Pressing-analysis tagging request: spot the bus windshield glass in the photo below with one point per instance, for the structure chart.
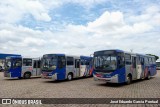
(158, 64)
(105, 62)
(49, 63)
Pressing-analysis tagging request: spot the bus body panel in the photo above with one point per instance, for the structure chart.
(15, 72)
(27, 69)
(70, 69)
(83, 70)
(122, 75)
(61, 75)
(153, 70)
(139, 71)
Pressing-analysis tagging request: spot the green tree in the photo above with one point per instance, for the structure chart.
(156, 57)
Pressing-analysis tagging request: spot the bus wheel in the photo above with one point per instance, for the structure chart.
(129, 80)
(69, 77)
(148, 76)
(27, 75)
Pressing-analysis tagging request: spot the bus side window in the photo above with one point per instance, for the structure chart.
(153, 59)
(127, 59)
(34, 64)
(27, 62)
(17, 63)
(87, 62)
(69, 60)
(61, 62)
(39, 64)
(82, 62)
(77, 63)
(120, 61)
(134, 62)
(142, 61)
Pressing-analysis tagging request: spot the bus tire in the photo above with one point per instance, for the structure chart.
(70, 76)
(148, 76)
(27, 75)
(129, 79)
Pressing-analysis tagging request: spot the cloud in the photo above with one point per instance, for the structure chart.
(111, 30)
(150, 16)
(14, 11)
(112, 23)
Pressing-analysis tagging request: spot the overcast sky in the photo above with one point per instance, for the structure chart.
(79, 27)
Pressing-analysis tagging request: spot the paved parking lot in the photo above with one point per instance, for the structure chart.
(78, 88)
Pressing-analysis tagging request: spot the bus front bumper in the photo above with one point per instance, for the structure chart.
(113, 79)
(7, 74)
(53, 77)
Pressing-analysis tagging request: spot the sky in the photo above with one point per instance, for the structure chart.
(79, 27)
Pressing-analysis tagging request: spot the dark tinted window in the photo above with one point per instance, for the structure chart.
(69, 60)
(27, 62)
(120, 59)
(36, 64)
(61, 62)
(128, 59)
(39, 63)
(77, 63)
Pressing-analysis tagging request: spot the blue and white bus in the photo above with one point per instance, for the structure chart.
(118, 66)
(61, 66)
(22, 67)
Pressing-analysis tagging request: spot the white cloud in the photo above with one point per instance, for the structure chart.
(150, 16)
(13, 11)
(108, 31)
(113, 24)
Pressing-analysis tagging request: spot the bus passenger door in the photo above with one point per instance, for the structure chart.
(82, 68)
(17, 68)
(139, 68)
(38, 67)
(133, 68)
(77, 67)
(34, 72)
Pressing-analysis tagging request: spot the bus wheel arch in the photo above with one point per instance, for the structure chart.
(70, 76)
(129, 79)
(27, 75)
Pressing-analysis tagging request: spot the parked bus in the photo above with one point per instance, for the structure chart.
(2, 59)
(22, 67)
(118, 66)
(61, 66)
(158, 65)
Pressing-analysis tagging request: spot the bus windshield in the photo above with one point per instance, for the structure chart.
(105, 62)
(8, 64)
(49, 63)
(158, 64)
